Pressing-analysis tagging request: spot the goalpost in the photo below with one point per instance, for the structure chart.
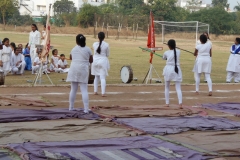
(187, 26)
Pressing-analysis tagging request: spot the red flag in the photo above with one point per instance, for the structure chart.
(151, 36)
(46, 46)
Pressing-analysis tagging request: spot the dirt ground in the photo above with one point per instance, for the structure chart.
(127, 95)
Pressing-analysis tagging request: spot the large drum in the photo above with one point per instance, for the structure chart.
(126, 74)
(90, 78)
(2, 78)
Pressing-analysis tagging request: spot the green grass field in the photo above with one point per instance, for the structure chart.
(126, 52)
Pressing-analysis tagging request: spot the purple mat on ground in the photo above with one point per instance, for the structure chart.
(131, 148)
(24, 115)
(164, 126)
(225, 107)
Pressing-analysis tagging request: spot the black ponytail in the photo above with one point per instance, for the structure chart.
(101, 37)
(172, 45)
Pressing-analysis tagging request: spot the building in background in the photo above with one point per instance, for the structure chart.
(39, 8)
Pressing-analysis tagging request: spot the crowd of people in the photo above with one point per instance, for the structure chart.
(16, 59)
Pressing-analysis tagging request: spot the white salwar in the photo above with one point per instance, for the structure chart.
(54, 64)
(233, 66)
(62, 64)
(34, 39)
(203, 64)
(78, 75)
(5, 57)
(100, 65)
(170, 74)
(18, 69)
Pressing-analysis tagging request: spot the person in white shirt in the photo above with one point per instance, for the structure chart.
(54, 61)
(43, 35)
(37, 64)
(100, 64)
(172, 71)
(34, 39)
(233, 67)
(62, 64)
(203, 63)
(78, 73)
(18, 63)
(5, 57)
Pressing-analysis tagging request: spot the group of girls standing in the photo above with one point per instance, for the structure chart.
(172, 70)
(81, 57)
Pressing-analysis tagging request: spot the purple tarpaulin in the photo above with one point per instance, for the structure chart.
(225, 107)
(163, 126)
(142, 147)
(24, 115)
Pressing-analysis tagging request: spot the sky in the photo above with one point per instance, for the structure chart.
(233, 3)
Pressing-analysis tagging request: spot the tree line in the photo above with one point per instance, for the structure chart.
(128, 11)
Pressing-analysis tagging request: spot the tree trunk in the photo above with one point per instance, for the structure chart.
(4, 23)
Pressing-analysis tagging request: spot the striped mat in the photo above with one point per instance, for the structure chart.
(123, 154)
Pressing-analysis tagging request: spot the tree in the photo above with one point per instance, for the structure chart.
(237, 7)
(63, 6)
(86, 16)
(220, 3)
(7, 6)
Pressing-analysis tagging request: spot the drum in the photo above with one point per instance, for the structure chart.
(2, 78)
(90, 77)
(126, 74)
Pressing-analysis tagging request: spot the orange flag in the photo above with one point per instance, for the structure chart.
(151, 36)
(46, 46)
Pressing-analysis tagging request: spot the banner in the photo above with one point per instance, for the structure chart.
(46, 46)
(151, 36)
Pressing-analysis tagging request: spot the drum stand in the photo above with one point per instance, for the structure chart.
(149, 75)
(39, 76)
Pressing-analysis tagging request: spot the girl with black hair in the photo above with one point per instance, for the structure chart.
(34, 39)
(78, 73)
(203, 63)
(233, 69)
(100, 64)
(26, 53)
(172, 71)
(5, 57)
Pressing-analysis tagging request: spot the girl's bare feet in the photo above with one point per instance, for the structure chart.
(210, 94)
(95, 93)
(197, 93)
(180, 106)
(103, 95)
(166, 105)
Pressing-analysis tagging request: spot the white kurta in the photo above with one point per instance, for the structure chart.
(55, 62)
(79, 69)
(34, 39)
(169, 70)
(234, 60)
(203, 63)
(100, 65)
(62, 64)
(19, 68)
(5, 57)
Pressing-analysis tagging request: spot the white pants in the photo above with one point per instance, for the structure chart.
(103, 83)
(178, 89)
(33, 53)
(37, 67)
(19, 69)
(208, 78)
(231, 75)
(73, 93)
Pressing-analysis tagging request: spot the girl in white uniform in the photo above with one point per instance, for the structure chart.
(54, 61)
(62, 64)
(172, 71)
(203, 63)
(100, 64)
(34, 39)
(5, 57)
(43, 35)
(78, 73)
(233, 68)
(18, 62)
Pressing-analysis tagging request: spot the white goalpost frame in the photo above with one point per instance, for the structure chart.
(172, 24)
